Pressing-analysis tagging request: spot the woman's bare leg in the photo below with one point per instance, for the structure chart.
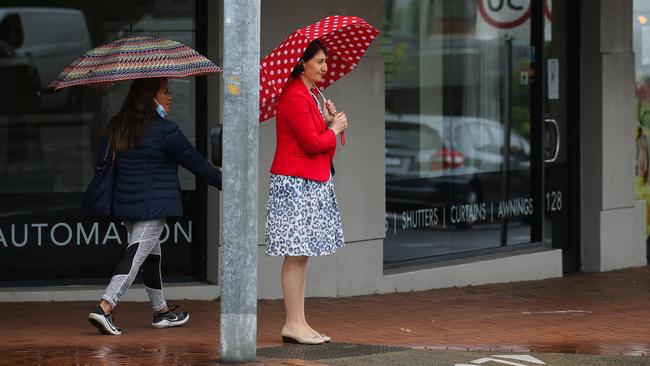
(294, 270)
(106, 306)
(303, 286)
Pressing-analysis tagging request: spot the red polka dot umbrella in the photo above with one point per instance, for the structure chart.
(346, 37)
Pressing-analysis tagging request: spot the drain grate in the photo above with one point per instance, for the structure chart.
(324, 351)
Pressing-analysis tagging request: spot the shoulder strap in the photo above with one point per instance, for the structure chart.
(109, 147)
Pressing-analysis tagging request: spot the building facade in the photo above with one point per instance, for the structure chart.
(489, 141)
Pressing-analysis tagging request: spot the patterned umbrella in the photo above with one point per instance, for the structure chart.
(134, 57)
(346, 37)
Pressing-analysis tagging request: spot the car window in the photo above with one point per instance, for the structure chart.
(412, 136)
(11, 30)
(52, 29)
(460, 138)
(5, 50)
(479, 137)
(496, 134)
(518, 147)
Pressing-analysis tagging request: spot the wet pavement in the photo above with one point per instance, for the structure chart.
(457, 358)
(605, 315)
(128, 356)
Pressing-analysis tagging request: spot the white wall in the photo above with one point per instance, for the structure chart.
(613, 222)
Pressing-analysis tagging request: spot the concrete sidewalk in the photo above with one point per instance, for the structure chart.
(599, 314)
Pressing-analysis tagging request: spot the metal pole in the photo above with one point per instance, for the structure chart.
(537, 108)
(505, 166)
(238, 257)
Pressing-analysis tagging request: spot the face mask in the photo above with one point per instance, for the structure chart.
(159, 109)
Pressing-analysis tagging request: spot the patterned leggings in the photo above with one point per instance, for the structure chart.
(143, 252)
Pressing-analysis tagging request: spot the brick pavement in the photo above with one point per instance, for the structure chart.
(605, 313)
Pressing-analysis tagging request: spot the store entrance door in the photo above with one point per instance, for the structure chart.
(561, 101)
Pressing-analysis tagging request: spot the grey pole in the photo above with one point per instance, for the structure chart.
(507, 111)
(238, 257)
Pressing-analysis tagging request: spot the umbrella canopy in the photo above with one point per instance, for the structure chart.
(134, 57)
(346, 37)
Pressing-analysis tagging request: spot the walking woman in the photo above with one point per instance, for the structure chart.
(148, 149)
(302, 217)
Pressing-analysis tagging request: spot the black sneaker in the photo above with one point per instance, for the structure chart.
(103, 322)
(170, 319)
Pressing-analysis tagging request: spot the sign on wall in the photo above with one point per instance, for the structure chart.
(509, 19)
(63, 243)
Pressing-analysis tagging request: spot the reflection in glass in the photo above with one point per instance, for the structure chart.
(48, 140)
(641, 43)
(457, 129)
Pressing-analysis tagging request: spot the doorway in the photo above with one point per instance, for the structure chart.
(561, 128)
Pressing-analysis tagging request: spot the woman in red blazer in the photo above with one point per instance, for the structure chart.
(302, 218)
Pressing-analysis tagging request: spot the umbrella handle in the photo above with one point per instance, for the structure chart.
(343, 138)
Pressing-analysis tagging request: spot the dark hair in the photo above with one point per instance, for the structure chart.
(133, 119)
(309, 53)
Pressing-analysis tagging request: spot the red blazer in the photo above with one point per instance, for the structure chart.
(305, 146)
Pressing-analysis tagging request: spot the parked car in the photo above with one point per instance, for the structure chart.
(50, 39)
(433, 161)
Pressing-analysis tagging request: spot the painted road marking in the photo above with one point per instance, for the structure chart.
(557, 312)
(526, 358)
(503, 359)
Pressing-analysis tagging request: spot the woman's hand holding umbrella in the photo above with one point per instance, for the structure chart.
(330, 108)
(336, 121)
(339, 123)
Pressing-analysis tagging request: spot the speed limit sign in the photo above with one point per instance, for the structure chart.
(498, 18)
(504, 14)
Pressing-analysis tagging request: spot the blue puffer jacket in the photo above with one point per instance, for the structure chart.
(146, 184)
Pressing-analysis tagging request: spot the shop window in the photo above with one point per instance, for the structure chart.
(48, 140)
(447, 121)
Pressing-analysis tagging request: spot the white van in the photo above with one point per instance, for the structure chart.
(51, 39)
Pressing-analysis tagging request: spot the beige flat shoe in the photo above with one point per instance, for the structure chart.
(313, 340)
(325, 338)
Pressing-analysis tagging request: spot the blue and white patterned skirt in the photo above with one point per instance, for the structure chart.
(302, 218)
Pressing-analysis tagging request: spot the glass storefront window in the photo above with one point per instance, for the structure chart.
(48, 140)
(457, 127)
